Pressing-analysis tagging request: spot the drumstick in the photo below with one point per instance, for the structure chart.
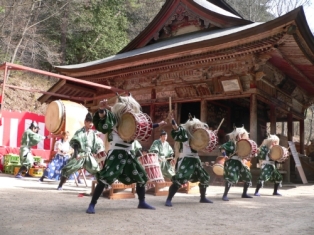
(170, 108)
(220, 124)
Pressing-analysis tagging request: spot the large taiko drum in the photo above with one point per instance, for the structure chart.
(278, 153)
(204, 139)
(135, 126)
(151, 164)
(64, 115)
(246, 148)
(218, 167)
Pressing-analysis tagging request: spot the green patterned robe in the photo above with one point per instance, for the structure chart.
(164, 151)
(189, 166)
(88, 146)
(269, 172)
(234, 169)
(121, 163)
(29, 139)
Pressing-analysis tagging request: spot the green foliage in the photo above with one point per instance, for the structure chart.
(100, 30)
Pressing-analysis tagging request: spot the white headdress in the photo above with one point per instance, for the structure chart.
(236, 132)
(270, 140)
(192, 124)
(124, 104)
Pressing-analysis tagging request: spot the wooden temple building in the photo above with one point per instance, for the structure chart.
(213, 64)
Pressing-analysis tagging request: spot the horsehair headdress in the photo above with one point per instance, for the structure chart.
(193, 123)
(270, 139)
(237, 131)
(124, 104)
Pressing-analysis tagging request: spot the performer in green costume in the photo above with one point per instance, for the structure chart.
(30, 138)
(165, 154)
(269, 172)
(85, 145)
(234, 169)
(121, 163)
(189, 165)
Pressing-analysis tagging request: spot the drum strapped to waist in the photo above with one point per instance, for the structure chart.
(246, 148)
(278, 153)
(134, 126)
(64, 115)
(203, 139)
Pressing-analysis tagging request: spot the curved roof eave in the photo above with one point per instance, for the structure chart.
(167, 9)
(222, 36)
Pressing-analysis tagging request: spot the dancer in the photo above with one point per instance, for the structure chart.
(30, 138)
(189, 166)
(165, 154)
(269, 172)
(121, 163)
(234, 169)
(85, 145)
(64, 150)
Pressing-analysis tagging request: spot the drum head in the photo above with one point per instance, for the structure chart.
(244, 148)
(127, 127)
(276, 152)
(200, 139)
(54, 118)
(218, 169)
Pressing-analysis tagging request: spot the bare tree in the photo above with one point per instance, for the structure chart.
(279, 7)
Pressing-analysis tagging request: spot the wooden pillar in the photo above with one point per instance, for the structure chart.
(253, 117)
(203, 111)
(272, 120)
(302, 136)
(290, 127)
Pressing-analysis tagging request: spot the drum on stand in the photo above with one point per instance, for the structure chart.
(64, 115)
(278, 153)
(134, 126)
(151, 164)
(204, 139)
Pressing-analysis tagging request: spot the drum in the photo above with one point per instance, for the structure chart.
(246, 148)
(149, 159)
(135, 126)
(278, 153)
(101, 158)
(204, 139)
(64, 115)
(151, 164)
(218, 167)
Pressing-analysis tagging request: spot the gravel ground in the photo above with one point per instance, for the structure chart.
(32, 207)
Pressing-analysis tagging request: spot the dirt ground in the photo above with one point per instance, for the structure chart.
(31, 207)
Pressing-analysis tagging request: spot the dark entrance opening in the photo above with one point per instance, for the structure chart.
(194, 108)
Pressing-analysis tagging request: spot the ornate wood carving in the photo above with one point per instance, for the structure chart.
(186, 91)
(183, 17)
(179, 76)
(162, 93)
(141, 95)
(273, 75)
(202, 89)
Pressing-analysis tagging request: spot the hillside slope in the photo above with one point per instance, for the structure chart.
(26, 101)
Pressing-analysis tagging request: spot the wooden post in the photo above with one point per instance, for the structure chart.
(290, 127)
(253, 118)
(302, 136)
(203, 111)
(273, 120)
